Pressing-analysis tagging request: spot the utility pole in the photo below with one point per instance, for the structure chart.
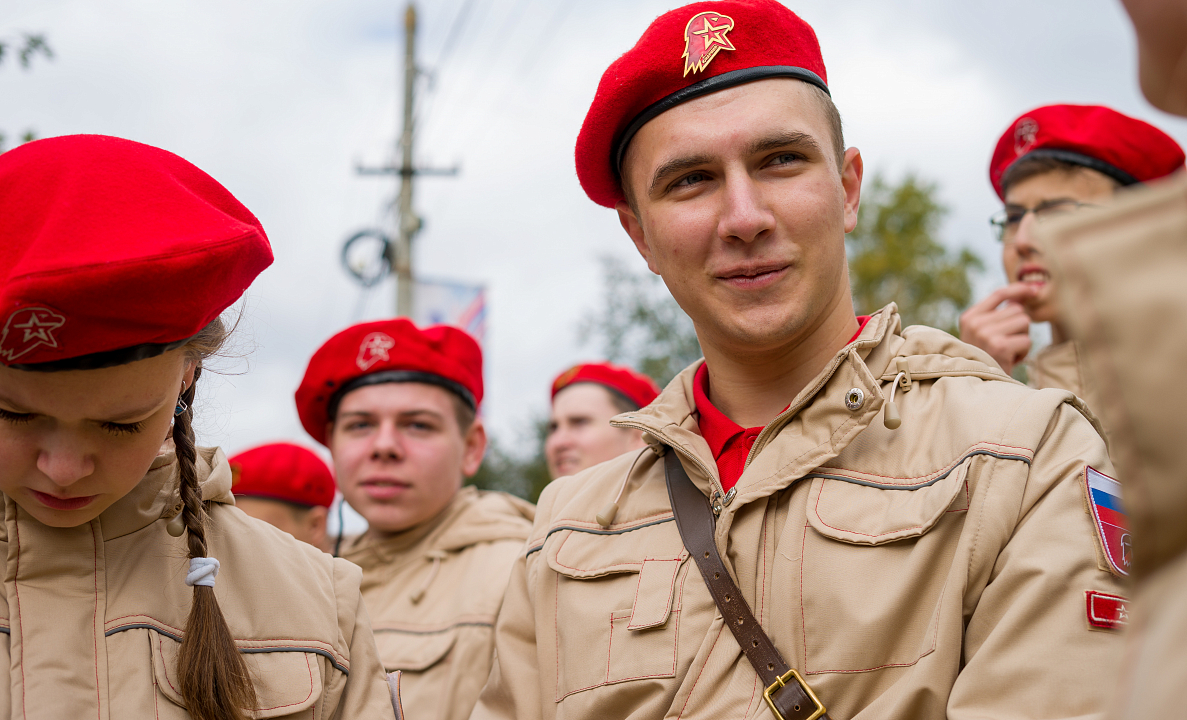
(398, 254)
(408, 221)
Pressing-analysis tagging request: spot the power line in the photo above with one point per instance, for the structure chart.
(455, 29)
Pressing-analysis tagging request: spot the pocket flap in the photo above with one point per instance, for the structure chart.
(867, 515)
(285, 682)
(413, 651)
(578, 554)
(653, 598)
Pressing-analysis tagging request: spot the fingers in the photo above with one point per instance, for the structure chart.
(999, 325)
(1014, 292)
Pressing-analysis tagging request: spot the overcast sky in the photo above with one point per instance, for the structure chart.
(278, 99)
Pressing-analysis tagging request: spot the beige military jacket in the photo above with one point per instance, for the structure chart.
(1124, 269)
(434, 593)
(1061, 366)
(92, 616)
(935, 571)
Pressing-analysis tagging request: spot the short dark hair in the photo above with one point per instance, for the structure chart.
(831, 114)
(465, 414)
(1029, 167)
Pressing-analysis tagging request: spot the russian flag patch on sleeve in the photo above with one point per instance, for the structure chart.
(1108, 514)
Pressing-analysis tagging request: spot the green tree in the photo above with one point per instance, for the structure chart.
(894, 256)
(639, 324)
(26, 49)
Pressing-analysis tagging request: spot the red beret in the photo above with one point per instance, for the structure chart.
(1126, 149)
(387, 351)
(112, 251)
(688, 52)
(639, 388)
(283, 471)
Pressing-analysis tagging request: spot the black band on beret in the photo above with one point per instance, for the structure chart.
(105, 359)
(704, 87)
(1075, 158)
(398, 376)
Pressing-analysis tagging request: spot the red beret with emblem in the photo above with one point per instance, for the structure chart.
(1126, 149)
(112, 251)
(283, 471)
(686, 53)
(387, 351)
(637, 387)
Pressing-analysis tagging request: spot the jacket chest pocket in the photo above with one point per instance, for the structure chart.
(288, 684)
(875, 565)
(617, 605)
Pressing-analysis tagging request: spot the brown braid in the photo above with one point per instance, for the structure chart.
(215, 682)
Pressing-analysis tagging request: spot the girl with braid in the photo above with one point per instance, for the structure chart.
(116, 261)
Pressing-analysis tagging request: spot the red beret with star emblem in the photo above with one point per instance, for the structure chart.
(1093, 136)
(387, 351)
(686, 53)
(635, 386)
(112, 251)
(283, 471)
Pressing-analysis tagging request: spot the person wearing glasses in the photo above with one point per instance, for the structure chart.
(1052, 161)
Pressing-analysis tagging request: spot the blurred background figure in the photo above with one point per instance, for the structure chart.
(1050, 162)
(584, 398)
(287, 486)
(1122, 269)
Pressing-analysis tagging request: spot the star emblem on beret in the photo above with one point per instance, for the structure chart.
(704, 37)
(27, 329)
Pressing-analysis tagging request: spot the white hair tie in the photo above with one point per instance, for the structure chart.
(203, 571)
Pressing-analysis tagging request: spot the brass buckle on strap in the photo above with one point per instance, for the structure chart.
(780, 682)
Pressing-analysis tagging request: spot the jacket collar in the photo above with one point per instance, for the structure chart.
(471, 517)
(814, 428)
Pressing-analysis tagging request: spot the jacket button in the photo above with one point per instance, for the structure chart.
(854, 399)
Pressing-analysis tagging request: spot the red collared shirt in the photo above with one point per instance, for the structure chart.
(729, 441)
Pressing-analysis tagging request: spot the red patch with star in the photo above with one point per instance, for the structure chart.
(1106, 612)
(28, 329)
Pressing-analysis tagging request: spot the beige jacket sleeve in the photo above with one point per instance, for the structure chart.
(1031, 616)
(366, 693)
(513, 689)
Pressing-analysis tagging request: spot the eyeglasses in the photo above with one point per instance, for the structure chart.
(1005, 222)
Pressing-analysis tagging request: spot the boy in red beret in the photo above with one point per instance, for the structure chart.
(584, 398)
(1053, 161)
(286, 486)
(832, 511)
(398, 407)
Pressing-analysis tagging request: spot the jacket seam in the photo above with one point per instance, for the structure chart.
(16, 589)
(245, 650)
(536, 548)
(95, 623)
(436, 631)
(946, 473)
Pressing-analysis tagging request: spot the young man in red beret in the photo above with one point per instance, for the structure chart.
(1053, 161)
(584, 398)
(397, 406)
(286, 486)
(834, 505)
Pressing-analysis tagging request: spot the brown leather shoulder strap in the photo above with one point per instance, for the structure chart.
(789, 695)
